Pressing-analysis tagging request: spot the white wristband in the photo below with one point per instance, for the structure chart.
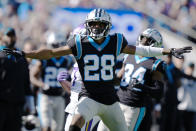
(148, 51)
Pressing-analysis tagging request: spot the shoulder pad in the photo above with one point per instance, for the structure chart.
(159, 65)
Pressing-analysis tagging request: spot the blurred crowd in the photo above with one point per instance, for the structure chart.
(32, 18)
(175, 15)
(183, 11)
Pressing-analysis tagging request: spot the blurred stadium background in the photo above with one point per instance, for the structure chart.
(175, 19)
(32, 19)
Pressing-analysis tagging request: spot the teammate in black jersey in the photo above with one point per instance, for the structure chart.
(50, 98)
(142, 80)
(144, 75)
(96, 55)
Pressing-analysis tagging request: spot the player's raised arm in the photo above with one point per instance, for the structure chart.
(153, 38)
(154, 51)
(40, 53)
(48, 53)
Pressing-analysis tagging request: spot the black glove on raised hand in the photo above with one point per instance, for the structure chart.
(18, 54)
(178, 52)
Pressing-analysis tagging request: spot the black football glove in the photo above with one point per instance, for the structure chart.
(178, 52)
(136, 86)
(18, 54)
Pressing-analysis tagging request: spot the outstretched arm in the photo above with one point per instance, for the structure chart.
(153, 51)
(40, 53)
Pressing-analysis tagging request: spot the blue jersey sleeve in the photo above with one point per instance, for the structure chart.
(121, 43)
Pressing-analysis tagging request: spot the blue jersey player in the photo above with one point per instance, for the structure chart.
(96, 54)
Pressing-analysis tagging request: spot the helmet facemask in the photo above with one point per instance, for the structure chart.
(98, 29)
(149, 41)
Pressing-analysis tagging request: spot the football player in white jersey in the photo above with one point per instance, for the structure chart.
(75, 87)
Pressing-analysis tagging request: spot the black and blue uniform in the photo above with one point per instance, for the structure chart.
(14, 87)
(141, 70)
(97, 65)
(49, 72)
(138, 87)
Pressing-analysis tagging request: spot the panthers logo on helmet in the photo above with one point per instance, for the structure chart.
(101, 17)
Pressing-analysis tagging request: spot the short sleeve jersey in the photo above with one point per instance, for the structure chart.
(140, 69)
(97, 65)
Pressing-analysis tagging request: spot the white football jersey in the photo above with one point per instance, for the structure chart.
(76, 79)
(76, 85)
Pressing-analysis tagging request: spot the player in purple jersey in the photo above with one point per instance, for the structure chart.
(96, 54)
